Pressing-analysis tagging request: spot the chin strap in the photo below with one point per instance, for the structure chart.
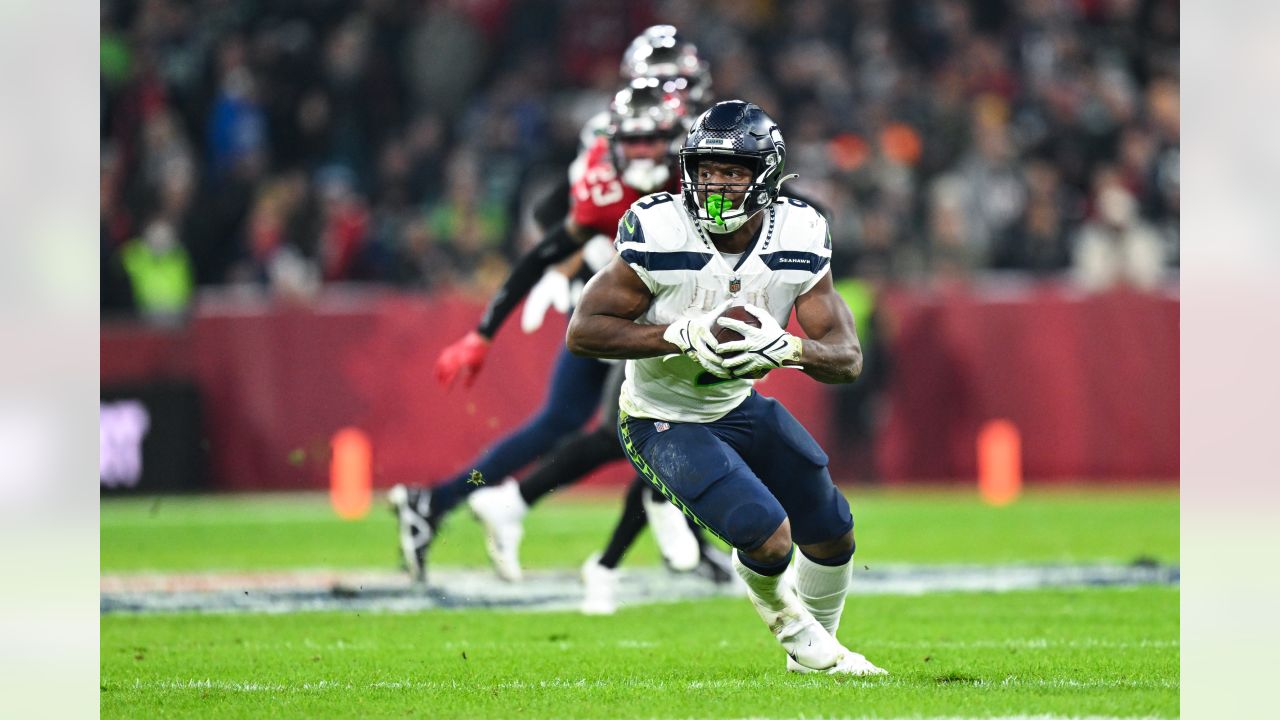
(786, 178)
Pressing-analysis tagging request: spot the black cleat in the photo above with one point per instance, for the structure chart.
(412, 508)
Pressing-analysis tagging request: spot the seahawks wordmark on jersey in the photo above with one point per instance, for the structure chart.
(689, 277)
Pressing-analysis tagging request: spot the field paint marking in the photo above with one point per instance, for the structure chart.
(1032, 644)
(1018, 643)
(643, 684)
(554, 590)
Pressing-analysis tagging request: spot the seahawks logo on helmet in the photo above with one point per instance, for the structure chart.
(740, 132)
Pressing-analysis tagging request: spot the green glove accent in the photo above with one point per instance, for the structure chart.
(716, 206)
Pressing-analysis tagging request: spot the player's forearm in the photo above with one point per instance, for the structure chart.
(559, 244)
(606, 336)
(831, 362)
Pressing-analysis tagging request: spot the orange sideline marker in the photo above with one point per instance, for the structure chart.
(999, 462)
(351, 473)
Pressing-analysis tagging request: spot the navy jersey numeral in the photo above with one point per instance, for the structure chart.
(657, 200)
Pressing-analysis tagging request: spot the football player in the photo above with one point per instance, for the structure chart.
(736, 462)
(630, 160)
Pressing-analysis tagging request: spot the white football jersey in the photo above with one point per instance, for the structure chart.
(688, 277)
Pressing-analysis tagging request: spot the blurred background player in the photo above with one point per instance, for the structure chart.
(613, 171)
(690, 421)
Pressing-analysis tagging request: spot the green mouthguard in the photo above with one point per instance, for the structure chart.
(717, 205)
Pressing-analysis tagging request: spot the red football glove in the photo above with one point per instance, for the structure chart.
(466, 355)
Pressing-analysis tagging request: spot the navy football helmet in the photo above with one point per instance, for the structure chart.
(739, 132)
(659, 52)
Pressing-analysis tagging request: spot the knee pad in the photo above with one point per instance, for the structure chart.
(825, 521)
(751, 523)
(835, 561)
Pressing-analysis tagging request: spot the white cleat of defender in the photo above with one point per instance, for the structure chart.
(501, 510)
(601, 596)
(676, 541)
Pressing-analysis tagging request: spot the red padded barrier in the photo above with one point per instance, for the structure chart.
(1092, 383)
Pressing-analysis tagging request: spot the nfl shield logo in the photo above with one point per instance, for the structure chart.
(661, 426)
(735, 285)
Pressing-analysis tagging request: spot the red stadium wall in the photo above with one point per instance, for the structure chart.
(1091, 382)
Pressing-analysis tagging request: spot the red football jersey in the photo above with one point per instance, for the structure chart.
(599, 198)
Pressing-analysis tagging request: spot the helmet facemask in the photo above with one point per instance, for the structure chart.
(720, 207)
(644, 174)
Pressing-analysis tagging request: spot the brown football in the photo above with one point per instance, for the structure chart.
(724, 334)
(737, 312)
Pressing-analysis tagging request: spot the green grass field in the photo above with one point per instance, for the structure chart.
(1064, 652)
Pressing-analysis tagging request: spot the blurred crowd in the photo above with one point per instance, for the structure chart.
(285, 144)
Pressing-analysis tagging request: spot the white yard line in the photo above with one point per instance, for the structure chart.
(552, 590)
(325, 686)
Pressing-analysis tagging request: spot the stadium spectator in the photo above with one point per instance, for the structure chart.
(237, 123)
(159, 272)
(1037, 243)
(935, 116)
(1116, 246)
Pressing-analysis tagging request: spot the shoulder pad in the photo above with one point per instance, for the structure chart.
(661, 217)
(802, 227)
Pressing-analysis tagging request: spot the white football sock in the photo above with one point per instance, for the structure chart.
(766, 591)
(822, 589)
(776, 602)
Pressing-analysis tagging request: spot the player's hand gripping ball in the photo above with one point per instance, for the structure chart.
(755, 344)
(724, 334)
(736, 312)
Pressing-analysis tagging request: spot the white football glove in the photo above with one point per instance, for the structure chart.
(767, 347)
(552, 291)
(694, 338)
(598, 252)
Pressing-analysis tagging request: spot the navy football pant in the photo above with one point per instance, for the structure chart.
(743, 474)
(572, 400)
(583, 452)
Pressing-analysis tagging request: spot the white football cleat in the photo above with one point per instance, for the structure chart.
(601, 597)
(851, 663)
(501, 510)
(676, 541)
(807, 643)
